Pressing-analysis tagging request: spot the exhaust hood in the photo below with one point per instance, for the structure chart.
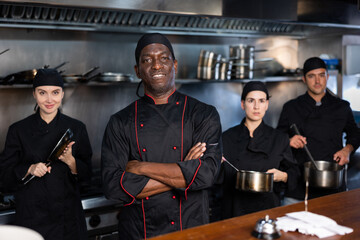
(186, 17)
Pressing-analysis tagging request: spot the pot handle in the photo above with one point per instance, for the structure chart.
(293, 126)
(4, 51)
(62, 64)
(89, 71)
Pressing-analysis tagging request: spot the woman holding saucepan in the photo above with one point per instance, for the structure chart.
(255, 146)
(50, 203)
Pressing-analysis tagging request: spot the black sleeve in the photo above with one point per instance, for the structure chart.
(118, 184)
(201, 173)
(12, 168)
(284, 121)
(290, 166)
(83, 154)
(351, 130)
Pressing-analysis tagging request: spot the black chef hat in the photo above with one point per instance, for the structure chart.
(48, 77)
(313, 63)
(254, 86)
(150, 38)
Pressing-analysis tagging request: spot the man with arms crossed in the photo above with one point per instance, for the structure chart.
(161, 152)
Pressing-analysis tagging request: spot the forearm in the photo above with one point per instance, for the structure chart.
(153, 187)
(349, 148)
(167, 173)
(72, 166)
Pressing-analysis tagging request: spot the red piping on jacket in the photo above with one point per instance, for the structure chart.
(136, 133)
(182, 144)
(182, 130)
(182, 150)
(167, 100)
(151, 98)
(126, 191)
(180, 215)
(193, 179)
(137, 141)
(142, 205)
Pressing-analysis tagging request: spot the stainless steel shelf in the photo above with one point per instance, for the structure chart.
(177, 81)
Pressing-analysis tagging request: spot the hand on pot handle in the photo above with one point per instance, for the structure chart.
(279, 176)
(68, 158)
(342, 157)
(38, 169)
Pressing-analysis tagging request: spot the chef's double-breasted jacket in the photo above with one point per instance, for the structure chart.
(161, 133)
(323, 125)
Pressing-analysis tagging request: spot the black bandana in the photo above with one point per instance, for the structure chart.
(150, 38)
(48, 77)
(254, 86)
(313, 63)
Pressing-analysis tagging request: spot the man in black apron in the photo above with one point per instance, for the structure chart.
(161, 152)
(321, 118)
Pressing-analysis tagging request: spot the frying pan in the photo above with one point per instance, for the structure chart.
(26, 76)
(71, 78)
(112, 77)
(56, 152)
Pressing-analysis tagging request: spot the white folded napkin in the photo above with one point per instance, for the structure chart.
(311, 224)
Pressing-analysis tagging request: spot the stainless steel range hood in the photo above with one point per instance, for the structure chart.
(207, 7)
(186, 17)
(121, 17)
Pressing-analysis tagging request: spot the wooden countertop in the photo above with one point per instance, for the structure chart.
(343, 207)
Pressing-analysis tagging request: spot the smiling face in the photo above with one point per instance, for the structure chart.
(255, 105)
(48, 98)
(316, 81)
(157, 69)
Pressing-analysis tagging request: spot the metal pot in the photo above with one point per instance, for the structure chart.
(243, 57)
(208, 65)
(328, 174)
(254, 181)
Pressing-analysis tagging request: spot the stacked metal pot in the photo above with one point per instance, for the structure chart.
(212, 66)
(243, 57)
(240, 65)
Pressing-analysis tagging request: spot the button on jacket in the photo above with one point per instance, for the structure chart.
(161, 133)
(323, 126)
(269, 148)
(51, 204)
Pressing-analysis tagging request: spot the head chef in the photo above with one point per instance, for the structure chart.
(156, 66)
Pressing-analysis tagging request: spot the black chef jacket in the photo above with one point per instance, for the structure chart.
(269, 148)
(323, 126)
(50, 205)
(161, 133)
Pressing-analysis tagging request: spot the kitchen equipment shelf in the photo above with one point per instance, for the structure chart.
(177, 81)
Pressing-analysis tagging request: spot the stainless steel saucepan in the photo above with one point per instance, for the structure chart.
(253, 181)
(325, 175)
(319, 173)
